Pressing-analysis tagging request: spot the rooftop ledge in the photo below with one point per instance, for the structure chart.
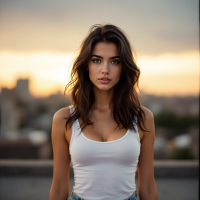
(162, 168)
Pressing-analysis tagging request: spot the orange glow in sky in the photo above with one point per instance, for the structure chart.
(167, 74)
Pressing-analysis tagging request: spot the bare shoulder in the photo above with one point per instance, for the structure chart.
(59, 124)
(62, 113)
(149, 124)
(147, 112)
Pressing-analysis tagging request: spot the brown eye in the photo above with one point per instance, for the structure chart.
(115, 62)
(96, 61)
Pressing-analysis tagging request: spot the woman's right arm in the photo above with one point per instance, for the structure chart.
(61, 158)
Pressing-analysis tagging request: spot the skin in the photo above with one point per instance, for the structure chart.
(104, 127)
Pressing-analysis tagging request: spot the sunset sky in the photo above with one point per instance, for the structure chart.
(39, 39)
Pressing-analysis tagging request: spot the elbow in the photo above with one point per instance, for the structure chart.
(148, 194)
(58, 194)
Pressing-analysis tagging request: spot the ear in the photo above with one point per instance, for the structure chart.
(87, 68)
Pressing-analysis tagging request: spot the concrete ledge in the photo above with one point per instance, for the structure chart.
(176, 169)
(162, 168)
(14, 167)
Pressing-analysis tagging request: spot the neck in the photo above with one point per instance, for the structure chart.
(103, 98)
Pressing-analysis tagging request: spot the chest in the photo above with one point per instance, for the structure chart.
(123, 151)
(104, 129)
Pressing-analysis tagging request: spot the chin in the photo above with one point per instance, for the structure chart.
(104, 87)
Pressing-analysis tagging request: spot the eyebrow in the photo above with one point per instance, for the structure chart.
(102, 57)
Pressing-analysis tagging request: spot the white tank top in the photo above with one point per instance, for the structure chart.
(104, 170)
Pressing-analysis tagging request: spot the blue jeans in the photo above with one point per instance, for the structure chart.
(74, 196)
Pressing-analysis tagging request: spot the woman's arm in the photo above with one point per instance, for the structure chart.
(61, 168)
(146, 183)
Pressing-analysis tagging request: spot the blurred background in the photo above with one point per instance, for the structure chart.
(38, 42)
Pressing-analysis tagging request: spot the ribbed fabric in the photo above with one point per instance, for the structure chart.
(104, 170)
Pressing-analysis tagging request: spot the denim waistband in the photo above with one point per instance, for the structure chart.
(135, 192)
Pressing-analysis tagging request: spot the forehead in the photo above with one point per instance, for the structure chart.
(106, 49)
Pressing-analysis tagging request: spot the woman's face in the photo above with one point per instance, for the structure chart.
(104, 65)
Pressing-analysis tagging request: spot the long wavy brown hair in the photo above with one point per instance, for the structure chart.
(127, 108)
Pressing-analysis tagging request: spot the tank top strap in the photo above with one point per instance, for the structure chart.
(75, 126)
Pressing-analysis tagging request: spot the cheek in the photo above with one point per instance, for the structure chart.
(117, 72)
(93, 71)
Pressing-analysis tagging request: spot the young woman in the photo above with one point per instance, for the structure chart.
(106, 134)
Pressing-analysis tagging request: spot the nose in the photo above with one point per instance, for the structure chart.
(105, 69)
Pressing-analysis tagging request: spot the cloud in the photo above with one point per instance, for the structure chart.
(153, 27)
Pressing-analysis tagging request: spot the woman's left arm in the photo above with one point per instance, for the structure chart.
(146, 182)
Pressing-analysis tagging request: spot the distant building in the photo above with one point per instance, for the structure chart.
(22, 89)
(9, 113)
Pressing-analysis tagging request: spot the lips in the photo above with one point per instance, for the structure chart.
(105, 78)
